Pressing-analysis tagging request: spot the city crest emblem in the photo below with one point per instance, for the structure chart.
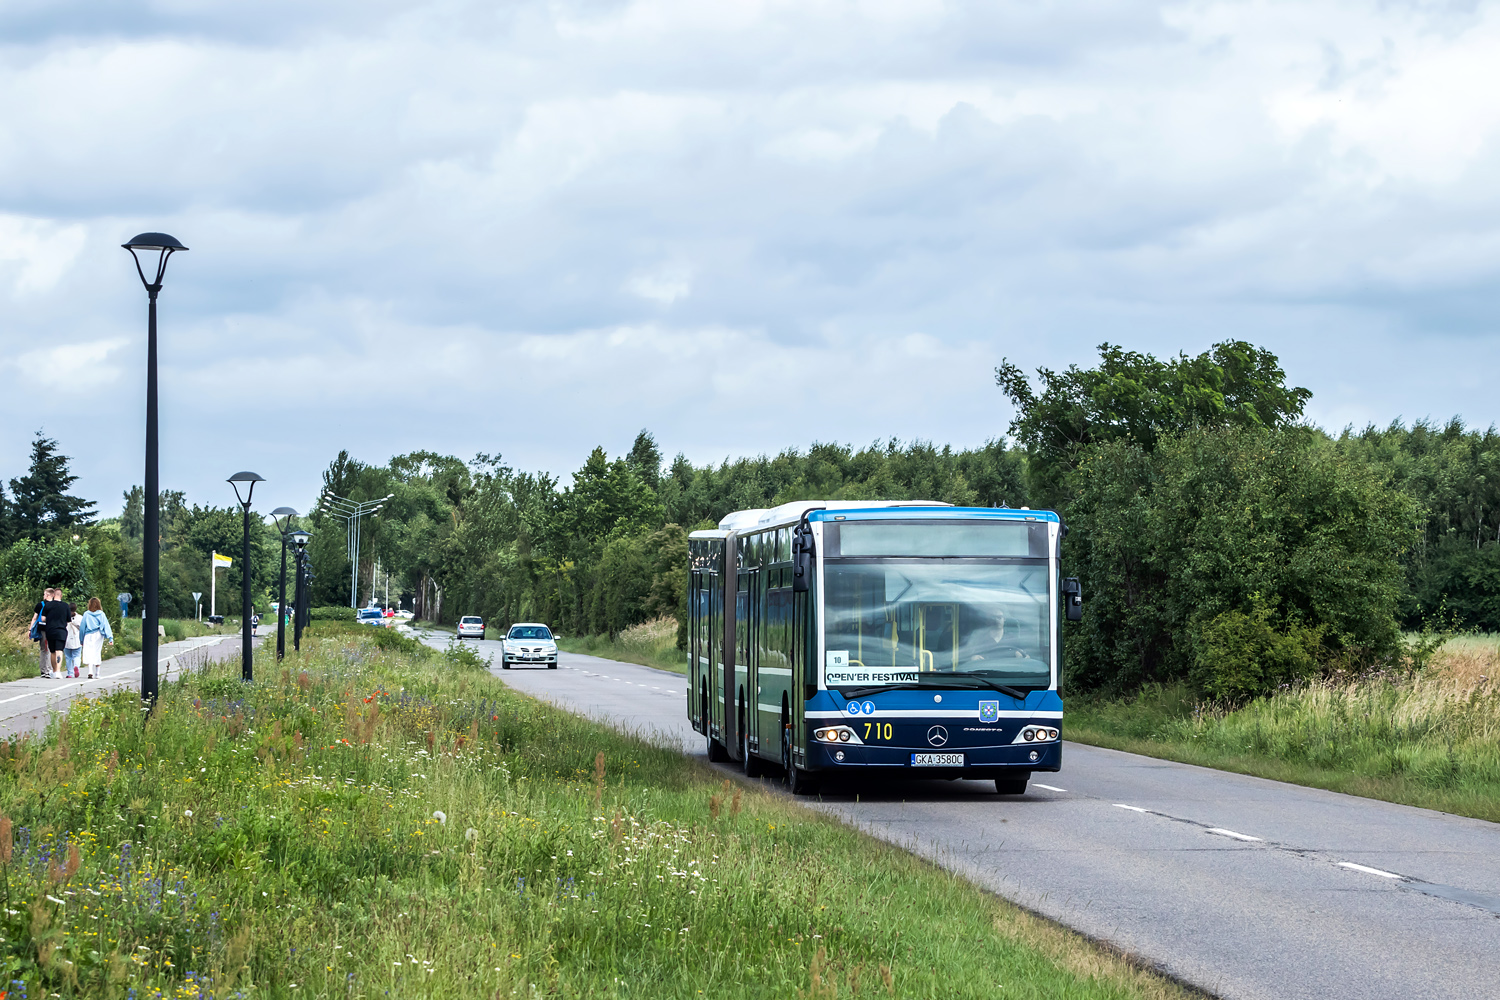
(989, 711)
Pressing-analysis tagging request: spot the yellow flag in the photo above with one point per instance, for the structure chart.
(222, 560)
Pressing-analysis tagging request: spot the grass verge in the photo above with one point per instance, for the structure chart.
(1429, 738)
(651, 644)
(375, 821)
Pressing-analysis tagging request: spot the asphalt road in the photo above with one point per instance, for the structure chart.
(27, 704)
(1245, 888)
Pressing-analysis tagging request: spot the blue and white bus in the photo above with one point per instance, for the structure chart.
(864, 639)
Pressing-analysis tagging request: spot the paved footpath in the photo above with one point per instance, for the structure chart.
(27, 704)
(1245, 888)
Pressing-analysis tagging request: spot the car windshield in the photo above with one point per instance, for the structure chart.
(369, 613)
(970, 623)
(473, 621)
(530, 632)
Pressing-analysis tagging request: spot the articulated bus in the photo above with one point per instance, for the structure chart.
(847, 639)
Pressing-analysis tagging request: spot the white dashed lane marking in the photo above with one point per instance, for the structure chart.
(1368, 870)
(1050, 788)
(1232, 835)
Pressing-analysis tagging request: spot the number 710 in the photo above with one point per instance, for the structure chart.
(882, 730)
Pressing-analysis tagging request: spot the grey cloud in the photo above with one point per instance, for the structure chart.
(746, 226)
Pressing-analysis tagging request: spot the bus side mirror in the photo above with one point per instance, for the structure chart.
(1073, 598)
(802, 559)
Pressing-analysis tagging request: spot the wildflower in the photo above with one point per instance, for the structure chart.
(188, 813)
(471, 834)
(440, 816)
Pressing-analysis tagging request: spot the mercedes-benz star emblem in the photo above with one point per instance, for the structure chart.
(937, 736)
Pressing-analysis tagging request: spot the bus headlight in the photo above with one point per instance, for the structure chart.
(836, 734)
(1035, 734)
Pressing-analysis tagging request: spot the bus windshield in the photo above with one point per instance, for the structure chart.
(969, 623)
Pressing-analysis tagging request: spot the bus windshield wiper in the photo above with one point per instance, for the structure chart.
(860, 692)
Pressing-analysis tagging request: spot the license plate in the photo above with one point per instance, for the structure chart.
(937, 760)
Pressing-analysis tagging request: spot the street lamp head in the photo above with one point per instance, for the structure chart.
(249, 478)
(283, 518)
(299, 538)
(153, 249)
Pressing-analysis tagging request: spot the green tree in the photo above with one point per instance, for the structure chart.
(133, 518)
(42, 506)
(1135, 397)
(1454, 474)
(31, 566)
(645, 459)
(608, 499)
(666, 555)
(1169, 540)
(7, 519)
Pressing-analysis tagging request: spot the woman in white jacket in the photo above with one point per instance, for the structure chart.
(94, 631)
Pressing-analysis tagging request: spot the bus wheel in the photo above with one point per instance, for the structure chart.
(751, 763)
(1012, 786)
(800, 782)
(716, 752)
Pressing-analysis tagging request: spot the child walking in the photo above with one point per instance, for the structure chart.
(73, 649)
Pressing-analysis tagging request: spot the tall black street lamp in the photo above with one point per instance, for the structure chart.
(283, 518)
(163, 246)
(247, 671)
(299, 539)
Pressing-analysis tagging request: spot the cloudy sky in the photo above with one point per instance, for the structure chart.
(533, 227)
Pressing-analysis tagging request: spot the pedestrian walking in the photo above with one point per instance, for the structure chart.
(94, 630)
(57, 616)
(255, 624)
(39, 632)
(73, 648)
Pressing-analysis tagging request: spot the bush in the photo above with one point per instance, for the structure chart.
(1242, 655)
(457, 654)
(331, 614)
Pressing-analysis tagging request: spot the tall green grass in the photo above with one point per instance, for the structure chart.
(652, 644)
(1428, 738)
(372, 822)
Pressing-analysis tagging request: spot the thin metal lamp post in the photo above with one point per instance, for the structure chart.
(163, 246)
(283, 518)
(351, 512)
(247, 667)
(299, 540)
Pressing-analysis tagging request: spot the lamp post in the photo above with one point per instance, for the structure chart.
(247, 671)
(299, 539)
(351, 512)
(278, 515)
(163, 247)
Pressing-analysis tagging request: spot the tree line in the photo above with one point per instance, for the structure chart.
(1222, 539)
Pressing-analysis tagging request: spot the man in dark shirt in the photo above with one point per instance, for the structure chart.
(57, 615)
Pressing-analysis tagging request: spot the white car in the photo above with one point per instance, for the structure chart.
(471, 627)
(529, 642)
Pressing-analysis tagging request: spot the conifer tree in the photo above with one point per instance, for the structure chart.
(41, 505)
